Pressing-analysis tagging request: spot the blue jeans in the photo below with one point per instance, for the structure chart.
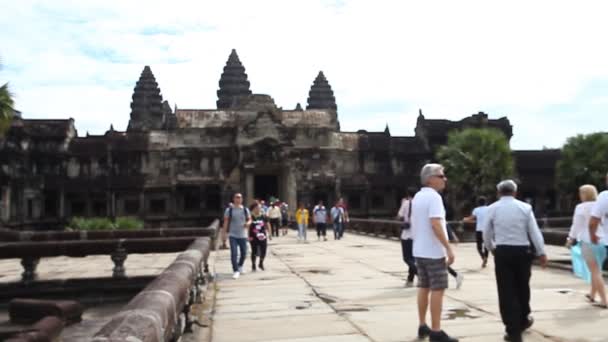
(302, 231)
(241, 244)
(338, 229)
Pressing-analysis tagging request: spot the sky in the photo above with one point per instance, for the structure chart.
(542, 64)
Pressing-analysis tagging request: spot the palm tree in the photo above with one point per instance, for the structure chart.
(6, 106)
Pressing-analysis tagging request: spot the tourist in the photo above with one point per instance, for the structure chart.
(342, 204)
(302, 217)
(478, 216)
(404, 214)
(593, 254)
(319, 217)
(432, 250)
(237, 220)
(452, 237)
(274, 216)
(511, 233)
(284, 215)
(337, 217)
(258, 235)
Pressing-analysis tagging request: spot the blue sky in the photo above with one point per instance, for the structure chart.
(543, 64)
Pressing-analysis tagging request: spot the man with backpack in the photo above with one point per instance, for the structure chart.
(237, 220)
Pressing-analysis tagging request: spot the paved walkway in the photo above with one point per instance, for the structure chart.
(352, 290)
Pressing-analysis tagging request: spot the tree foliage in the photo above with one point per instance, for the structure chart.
(475, 160)
(6, 107)
(584, 161)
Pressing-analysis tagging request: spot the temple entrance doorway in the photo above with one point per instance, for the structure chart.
(266, 186)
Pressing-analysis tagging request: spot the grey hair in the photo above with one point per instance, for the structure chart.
(428, 171)
(507, 186)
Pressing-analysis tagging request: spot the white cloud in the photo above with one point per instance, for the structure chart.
(521, 59)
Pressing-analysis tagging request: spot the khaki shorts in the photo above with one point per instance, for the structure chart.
(432, 273)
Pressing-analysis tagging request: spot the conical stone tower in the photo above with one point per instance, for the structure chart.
(233, 82)
(147, 105)
(321, 96)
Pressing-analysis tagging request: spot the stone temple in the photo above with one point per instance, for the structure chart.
(181, 166)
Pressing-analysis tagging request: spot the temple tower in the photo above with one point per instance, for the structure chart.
(321, 96)
(147, 104)
(233, 82)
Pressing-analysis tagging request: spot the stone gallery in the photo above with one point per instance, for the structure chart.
(176, 167)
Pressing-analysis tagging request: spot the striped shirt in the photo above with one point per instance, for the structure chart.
(511, 222)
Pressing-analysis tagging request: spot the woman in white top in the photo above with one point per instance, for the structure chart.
(594, 254)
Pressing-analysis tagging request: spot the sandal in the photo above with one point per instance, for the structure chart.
(589, 298)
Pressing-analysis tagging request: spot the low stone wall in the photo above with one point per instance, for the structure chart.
(9, 235)
(161, 311)
(33, 245)
(465, 231)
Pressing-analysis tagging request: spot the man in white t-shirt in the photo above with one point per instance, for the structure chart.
(477, 216)
(599, 216)
(432, 250)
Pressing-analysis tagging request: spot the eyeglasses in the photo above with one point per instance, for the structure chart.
(440, 176)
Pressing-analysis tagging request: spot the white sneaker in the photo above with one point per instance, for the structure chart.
(459, 280)
(236, 275)
(241, 270)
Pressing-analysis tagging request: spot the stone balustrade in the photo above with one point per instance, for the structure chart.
(161, 311)
(30, 246)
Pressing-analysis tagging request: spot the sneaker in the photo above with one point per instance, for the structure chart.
(441, 336)
(241, 270)
(459, 280)
(409, 284)
(423, 331)
(236, 275)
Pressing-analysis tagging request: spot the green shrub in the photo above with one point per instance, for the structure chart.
(104, 223)
(128, 223)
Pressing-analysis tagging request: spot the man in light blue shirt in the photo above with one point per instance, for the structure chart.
(337, 217)
(511, 233)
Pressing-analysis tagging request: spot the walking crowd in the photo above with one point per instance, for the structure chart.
(258, 223)
(507, 229)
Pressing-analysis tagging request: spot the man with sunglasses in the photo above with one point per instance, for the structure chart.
(432, 250)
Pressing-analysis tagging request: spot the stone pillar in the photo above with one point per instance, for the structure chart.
(249, 184)
(338, 188)
(142, 205)
(5, 210)
(291, 189)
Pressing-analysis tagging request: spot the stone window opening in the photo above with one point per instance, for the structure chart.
(192, 202)
(78, 208)
(158, 206)
(131, 207)
(377, 201)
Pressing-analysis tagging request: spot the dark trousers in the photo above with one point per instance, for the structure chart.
(408, 258)
(258, 249)
(513, 271)
(321, 229)
(274, 226)
(481, 249)
(241, 244)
